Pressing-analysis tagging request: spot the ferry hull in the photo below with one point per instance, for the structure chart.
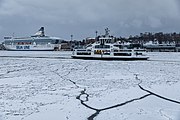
(110, 58)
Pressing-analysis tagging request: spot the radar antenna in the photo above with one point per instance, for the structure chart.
(107, 32)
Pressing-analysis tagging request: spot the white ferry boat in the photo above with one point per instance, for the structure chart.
(37, 42)
(105, 49)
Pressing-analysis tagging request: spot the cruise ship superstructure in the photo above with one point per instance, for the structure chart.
(37, 42)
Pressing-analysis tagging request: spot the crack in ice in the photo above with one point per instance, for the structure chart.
(107, 108)
(121, 104)
(159, 96)
(152, 93)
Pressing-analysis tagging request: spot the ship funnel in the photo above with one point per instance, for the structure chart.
(40, 32)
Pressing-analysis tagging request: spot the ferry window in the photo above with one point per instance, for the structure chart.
(102, 46)
(88, 45)
(57, 41)
(97, 46)
(8, 42)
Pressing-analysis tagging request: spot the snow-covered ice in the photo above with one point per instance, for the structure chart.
(51, 85)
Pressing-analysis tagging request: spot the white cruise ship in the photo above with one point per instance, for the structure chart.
(37, 42)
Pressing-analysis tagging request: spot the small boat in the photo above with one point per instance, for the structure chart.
(37, 42)
(105, 49)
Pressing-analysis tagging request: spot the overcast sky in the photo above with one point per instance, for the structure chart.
(82, 18)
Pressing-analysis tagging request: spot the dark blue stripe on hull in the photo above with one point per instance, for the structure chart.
(30, 50)
(108, 58)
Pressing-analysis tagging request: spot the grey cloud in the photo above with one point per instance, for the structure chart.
(83, 17)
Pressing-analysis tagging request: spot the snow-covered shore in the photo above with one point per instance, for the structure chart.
(51, 85)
